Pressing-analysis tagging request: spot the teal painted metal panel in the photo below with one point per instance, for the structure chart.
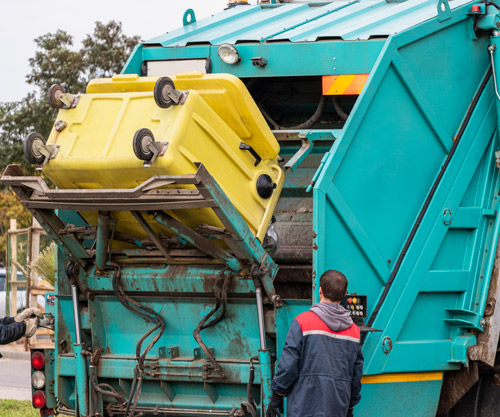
(417, 398)
(282, 59)
(379, 174)
(310, 22)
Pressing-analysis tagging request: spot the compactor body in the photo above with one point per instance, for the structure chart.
(377, 123)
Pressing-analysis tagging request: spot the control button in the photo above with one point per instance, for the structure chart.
(354, 300)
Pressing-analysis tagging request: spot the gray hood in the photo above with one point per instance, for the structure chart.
(336, 317)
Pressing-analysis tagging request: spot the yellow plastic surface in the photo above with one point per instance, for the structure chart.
(95, 149)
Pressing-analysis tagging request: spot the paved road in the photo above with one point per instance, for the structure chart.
(15, 375)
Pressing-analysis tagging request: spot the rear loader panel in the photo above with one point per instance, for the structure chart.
(410, 194)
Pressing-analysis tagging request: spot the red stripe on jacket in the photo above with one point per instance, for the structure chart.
(310, 321)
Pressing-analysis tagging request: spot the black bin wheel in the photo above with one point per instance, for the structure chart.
(31, 148)
(54, 92)
(162, 87)
(142, 138)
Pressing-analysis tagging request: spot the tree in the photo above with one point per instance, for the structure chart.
(55, 63)
(103, 53)
(107, 49)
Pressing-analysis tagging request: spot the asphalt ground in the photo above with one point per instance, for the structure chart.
(15, 374)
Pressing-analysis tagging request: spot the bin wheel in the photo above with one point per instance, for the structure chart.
(162, 87)
(54, 92)
(142, 138)
(31, 148)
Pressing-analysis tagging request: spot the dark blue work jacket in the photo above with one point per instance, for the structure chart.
(10, 331)
(319, 370)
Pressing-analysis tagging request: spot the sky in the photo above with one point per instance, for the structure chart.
(21, 21)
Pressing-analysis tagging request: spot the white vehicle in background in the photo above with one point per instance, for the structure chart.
(21, 292)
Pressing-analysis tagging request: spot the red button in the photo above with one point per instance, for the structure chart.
(349, 300)
(475, 9)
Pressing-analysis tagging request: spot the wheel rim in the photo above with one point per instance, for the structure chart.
(145, 142)
(164, 93)
(35, 147)
(57, 96)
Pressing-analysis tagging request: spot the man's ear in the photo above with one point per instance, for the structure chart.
(320, 291)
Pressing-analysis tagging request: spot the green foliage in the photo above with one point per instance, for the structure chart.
(13, 408)
(17, 120)
(107, 49)
(57, 62)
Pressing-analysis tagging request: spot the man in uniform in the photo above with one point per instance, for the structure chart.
(321, 365)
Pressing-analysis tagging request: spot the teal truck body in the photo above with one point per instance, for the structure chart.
(386, 113)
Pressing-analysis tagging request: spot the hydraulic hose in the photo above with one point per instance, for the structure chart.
(306, 125)
(220, 292)
(338, 108)
(149, 315)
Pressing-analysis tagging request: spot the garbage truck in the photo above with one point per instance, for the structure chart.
(197, 197)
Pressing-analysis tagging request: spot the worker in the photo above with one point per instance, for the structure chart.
(23, 324)
(320, 368)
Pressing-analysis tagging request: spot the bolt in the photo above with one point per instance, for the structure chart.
(482, 322)
(498, 25)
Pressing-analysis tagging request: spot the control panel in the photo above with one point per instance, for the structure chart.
(355, 304)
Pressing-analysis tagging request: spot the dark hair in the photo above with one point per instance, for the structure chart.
(334, 285)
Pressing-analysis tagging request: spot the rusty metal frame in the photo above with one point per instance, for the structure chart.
(149, 197)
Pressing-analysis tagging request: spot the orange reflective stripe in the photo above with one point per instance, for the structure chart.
(345, 84)
(407, 377)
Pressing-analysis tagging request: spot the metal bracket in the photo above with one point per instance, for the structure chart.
(308, 139)
(177, 96)
(68, 100)
(444, 10)
(170, 352)
(301, 154)
(277, 301)
(188, 17)
(199, 354)
(258, 61)
(49, 152)
(158, 149)
(447, 217)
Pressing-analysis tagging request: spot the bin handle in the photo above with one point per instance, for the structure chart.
(245, 147)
